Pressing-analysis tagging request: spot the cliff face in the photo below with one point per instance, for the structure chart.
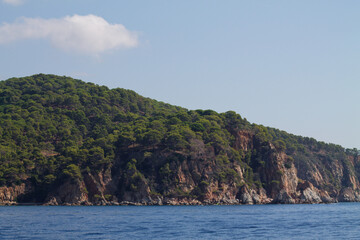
(196, 177)
(64, 141)
(9, 195)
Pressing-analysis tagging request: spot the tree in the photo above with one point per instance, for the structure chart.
(72, 171)
(175, 141)
(126, 139)
(152, 137)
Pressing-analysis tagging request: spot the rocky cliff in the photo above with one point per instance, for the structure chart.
(192, 178)
(66, 142)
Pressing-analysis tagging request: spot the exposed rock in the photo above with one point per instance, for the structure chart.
(52, 202)
(284, 198)
(264, 199)
(251, 196)
(349, 195)
(310, 196)
(244, 140)
(72, 192)
(325, 197)
(9, 195)
(197, 184)
(244, 196)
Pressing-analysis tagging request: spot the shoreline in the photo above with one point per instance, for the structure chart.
(141, 204)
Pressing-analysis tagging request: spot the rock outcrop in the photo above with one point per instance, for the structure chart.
(199, 177)
(193, 181)
(9, 195)
(69, 193)
(64, 141)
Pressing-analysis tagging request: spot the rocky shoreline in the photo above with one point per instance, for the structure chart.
(126, 203)
(307, 194)
(130, 150)
(194, 183)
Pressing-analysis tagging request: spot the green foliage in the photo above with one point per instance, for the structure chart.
(280, 145)
(54, 127)
(72, 171)
(135, 179)
(165, 170)
(48, 123)
(262, 134)
(222, 160)
(50, 178)
(276, 182)
(108, 197)
(289, 163)
(152, 137)
(228, 175)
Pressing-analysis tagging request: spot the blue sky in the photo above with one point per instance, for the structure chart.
(293, 65)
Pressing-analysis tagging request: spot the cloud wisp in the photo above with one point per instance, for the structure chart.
(13, 2)
(88, 34)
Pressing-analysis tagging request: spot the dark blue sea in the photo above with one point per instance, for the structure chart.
(332, 221)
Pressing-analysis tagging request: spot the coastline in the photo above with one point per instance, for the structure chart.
(168, 203)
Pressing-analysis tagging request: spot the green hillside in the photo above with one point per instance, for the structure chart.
(54, 129)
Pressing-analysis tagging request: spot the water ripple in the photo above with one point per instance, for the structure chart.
(332, 221)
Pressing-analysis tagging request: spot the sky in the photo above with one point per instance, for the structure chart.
(292, 65)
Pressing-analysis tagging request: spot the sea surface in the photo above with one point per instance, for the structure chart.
(330, 221)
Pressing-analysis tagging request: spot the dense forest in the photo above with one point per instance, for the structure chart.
(57, 130)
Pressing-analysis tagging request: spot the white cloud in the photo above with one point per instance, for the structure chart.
(88, 34)
(13, 2)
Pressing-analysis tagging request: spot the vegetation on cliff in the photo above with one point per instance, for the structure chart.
(56, 129)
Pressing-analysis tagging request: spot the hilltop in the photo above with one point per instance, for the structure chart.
(64, 141)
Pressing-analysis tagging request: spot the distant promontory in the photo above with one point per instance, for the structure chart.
(67, 142)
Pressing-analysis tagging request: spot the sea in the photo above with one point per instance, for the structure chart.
(314, 221)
